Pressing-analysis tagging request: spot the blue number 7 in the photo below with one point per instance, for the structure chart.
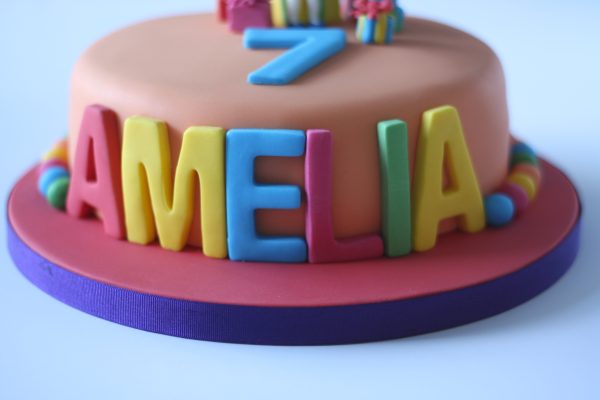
(308, 48)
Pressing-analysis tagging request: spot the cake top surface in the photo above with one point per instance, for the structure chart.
(196, 60)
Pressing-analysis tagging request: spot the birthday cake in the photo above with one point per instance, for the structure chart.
(295, 169)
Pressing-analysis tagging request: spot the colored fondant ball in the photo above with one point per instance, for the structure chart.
(51, 163)
(49, 176)
(61, 144)
(517, 194)
(499, 209)
(522, 148)
(525, 182)
(522, 158)
(59, 152)
(57, 193)
(530, 170)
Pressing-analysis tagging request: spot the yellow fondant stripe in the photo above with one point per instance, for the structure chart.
(360, 27)
(381, 28)
(153, 203)
(278, 13)
(442, 144)
(331, 12)
(525, 182)
(303, 13)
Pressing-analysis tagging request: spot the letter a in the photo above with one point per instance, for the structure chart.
(442, 143)
(95, 180)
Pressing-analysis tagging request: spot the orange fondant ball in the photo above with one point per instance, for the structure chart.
(530, 170)
(57, 153)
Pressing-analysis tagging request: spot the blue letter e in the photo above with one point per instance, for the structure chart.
(244, 195)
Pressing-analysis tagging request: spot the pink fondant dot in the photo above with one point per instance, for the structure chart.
(517, 194)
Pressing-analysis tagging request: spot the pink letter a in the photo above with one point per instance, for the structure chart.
(95, 174)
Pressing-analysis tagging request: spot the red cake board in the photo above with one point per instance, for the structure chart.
(464, 279)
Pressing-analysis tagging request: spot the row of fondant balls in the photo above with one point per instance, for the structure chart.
(54, 177)
(519, 189)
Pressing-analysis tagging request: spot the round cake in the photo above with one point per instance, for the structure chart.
(301, 175)
(188, 71)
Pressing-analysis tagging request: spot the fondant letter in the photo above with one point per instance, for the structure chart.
(95, 177)
(244, 196)
(322, 245)
(442, 143)
(396, 218)
(151, 200)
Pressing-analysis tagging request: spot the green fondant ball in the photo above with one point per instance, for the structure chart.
(523, 159)
(57, 193)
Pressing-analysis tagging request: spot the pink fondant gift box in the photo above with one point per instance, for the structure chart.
(244, 14)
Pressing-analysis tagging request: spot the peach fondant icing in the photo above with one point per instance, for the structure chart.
(187, 72)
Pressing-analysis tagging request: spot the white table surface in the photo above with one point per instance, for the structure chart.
(547, 348)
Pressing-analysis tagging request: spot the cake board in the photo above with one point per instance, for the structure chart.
(464, 279)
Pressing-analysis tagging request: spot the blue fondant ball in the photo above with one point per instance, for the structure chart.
(49, 176)
(499, 209)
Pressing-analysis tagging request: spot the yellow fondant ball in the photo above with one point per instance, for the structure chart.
(525, 182)
(57, 153)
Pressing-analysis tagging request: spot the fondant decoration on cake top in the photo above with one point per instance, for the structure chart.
(444, 187)
(347, 10)
(376, 21)
(242, 14)
(222, 10)
(244, 196)
(519, 189)
(323, 247)
(294, 13)
(400, 17)
(154, 205)
(53, 175)
(96, 181)
(396, 212)
(307, 49)
(442, 143)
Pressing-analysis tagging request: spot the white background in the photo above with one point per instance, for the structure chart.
(546, 348)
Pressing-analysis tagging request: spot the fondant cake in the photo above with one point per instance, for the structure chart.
(364, 164)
